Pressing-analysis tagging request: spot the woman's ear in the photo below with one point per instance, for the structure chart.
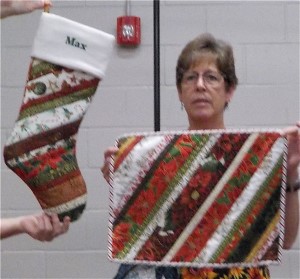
(230, 93)
(179, 93)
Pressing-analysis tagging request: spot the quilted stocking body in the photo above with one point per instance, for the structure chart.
(42, 147)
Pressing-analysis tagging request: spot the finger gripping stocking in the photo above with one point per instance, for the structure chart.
(68, 62)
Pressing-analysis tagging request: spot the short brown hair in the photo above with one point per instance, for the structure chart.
(206, 43)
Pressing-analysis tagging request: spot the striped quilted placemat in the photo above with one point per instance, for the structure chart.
(213, 198)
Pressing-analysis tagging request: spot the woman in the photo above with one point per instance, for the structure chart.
(206, 81)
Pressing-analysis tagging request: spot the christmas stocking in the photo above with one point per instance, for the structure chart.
(68, 61)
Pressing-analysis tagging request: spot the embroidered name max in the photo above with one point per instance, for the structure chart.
(75, 43)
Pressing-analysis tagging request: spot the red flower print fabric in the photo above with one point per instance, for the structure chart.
(198, 199)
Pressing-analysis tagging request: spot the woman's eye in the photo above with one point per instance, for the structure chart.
(211, 77)
(191, 77)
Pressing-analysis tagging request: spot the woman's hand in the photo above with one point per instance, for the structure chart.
(107, 156)
(42, 227)
(18, 7)
(292, 198)
(293, 159)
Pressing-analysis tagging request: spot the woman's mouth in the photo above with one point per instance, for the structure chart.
(201, 102)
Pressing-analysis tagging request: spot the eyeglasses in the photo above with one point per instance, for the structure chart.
(212, 79)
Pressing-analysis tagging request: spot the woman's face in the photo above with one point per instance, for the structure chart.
(204, 96)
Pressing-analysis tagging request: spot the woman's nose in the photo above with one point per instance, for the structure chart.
(200, 82)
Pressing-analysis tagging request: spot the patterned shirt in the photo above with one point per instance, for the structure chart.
(150, 272)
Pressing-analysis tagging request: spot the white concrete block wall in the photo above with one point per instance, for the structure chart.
(265, 37)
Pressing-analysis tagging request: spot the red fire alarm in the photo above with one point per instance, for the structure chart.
(128, 29)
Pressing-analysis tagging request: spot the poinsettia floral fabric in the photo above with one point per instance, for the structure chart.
(211, 199)
(41, 149)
